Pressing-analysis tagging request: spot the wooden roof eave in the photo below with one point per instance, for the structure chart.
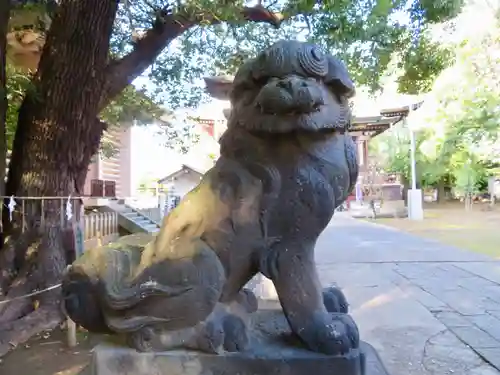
(180, 172)
(375, 120)
(401, 111)
(373, 123)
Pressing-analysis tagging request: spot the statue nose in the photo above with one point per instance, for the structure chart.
(292, 84)
(287, 84)
(299, 95)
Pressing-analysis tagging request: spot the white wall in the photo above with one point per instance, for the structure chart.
(185, 183)
(494, 186)
(150, 159)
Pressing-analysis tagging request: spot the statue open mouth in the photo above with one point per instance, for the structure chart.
(290, 95)
(292, 89)
(293, 104)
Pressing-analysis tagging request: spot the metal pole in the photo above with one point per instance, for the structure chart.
(413, 162)
(415, 209)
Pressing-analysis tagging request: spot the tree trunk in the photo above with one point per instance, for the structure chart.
(57, 134)
(406, 187)
(4, 24)
(441, 194)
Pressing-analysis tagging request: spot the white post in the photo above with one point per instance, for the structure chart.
(71, 333)
(413, 161)
(415, 209)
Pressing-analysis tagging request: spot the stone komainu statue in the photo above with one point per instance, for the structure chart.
(286, 163)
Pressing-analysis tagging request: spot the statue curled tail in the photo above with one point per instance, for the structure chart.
(111, 289)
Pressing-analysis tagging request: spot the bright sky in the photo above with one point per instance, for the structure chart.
(151, 159)
(149, 156)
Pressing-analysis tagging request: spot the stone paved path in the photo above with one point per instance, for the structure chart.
(427, 308)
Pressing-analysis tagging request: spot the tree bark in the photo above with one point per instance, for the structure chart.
(57, 131)
(57, 134)
(5, 6)
(441, 191)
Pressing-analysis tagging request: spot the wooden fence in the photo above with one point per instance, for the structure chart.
(100, 227)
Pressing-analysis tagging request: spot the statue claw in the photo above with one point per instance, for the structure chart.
(332, 334)
(143, 340)
(335, 300)
(235, 334)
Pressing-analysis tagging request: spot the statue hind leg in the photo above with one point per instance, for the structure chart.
(164, 320)
(239, 302)
(224, 329)
(305, 305)
(236, 303)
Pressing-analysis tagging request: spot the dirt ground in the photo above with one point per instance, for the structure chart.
(477, 230)
(49, 355)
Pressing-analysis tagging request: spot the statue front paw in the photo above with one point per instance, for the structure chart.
(247, 299)
(331, 333)
(334, 300)
(236, 337)
(225, 332)
(210, 338)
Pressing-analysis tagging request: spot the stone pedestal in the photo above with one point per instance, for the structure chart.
(274, 351)
(388, 209)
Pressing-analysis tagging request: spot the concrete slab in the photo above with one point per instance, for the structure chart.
(351, 240)
(395, 324)
(426, 307)
(490, 271)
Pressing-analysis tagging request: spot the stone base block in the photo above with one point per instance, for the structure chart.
(113, 360)
(274, 351)
(389, 209)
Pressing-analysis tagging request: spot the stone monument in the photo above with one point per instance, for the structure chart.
(287, 161)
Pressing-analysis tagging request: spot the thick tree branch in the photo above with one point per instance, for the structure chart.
(167, 27)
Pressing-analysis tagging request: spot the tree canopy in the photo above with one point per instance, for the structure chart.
(460, 119)
(213, 37)
(364, 34)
